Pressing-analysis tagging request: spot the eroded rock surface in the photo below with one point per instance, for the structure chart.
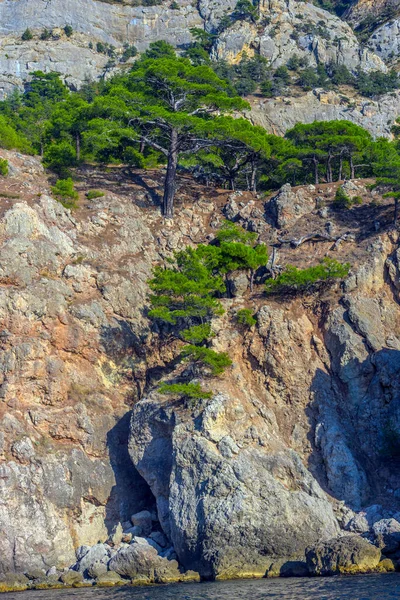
(296, 444)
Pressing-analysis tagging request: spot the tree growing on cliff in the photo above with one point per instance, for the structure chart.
(328, 143)
(239, 151)
(170, 105)
(387, 170)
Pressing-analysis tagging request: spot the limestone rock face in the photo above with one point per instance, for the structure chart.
(285, 35)
(379, 9)
(230, 496)
(280, 114)
(349, 554)
(298, 440)
(289, 205)
(385, 41)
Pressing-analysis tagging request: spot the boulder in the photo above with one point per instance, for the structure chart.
(72, 578)
(96, 569)
(349, 554)
(100, 553)
(387, 565)
(143, 520)
(142, 560)
(387, 535)
(110, 579)
(289, 205)
(238, 283)
(288, 568)
(13, 582)
(256, 505)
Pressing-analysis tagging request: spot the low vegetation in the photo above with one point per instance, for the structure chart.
(294, 280)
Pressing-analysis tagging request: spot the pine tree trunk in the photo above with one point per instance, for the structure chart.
(78, 146)
(352, 170)
(142, 146)
(253, 184)
(170, 178)
(316, 171)
(340, 168)
(329, 169)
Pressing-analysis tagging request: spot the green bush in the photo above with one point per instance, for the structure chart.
(93, 194)
(293, 279)
(190, 391)
(217, 362)
(10, 139)
(3, 167)
(68, 30)
(65, 193)
(46, 34)
(27, 35)
(245, 317)
(60, 157)
(197, 334)
(342, 200)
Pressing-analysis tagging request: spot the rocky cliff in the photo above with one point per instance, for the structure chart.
(298, 444)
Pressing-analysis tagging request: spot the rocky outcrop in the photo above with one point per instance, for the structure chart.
(385, 41)
(297, 443)
(229, 495)
(312, 33)
(288, 205)
(361, 10)
(348, 555)
(92, 21)
(282, 113)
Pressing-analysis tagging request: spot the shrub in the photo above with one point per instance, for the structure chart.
(93, 194)
(245, 317)
(293, 279)
(129, 52)
(65, 193)
(191, 391)
(10, 139)
(3, 167)
(68, 30)
(197, 334)
(59, 157)
(174, 5)
(27, 35)
(217, 362)
(186, 292)
(342, 200)
(46, 34)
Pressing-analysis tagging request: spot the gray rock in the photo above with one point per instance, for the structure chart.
(349, 554)
(238, 282)
(387, 535)
(142, 560)
(159, 538)
(72, 578)
(288, 206)
(99, 553)
(97, 569)
(244, 500)
(143, 521)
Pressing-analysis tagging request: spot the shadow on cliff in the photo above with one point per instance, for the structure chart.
(131, 493)
(366, 220)
(124, 349)
(355, 430)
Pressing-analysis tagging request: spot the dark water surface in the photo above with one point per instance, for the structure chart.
(365, 587)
